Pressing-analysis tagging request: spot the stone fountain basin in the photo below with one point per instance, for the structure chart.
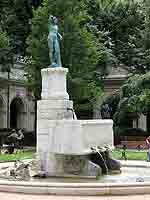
(75, 189)
(125, 183)
(74, 137)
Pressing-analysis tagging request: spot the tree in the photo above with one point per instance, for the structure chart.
(134, 100)
(139, 43)
(15, 20)
(5, 51)
(4, 41)
(123, 21)
(6, 62)
(79, 49)
(135, 92)
(147, 35)
(96, 9)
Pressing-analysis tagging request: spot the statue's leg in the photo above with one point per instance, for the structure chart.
(51, 51)
(50, 55)
(57, 54)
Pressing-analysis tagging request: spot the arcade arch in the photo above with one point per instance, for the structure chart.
(17, 113)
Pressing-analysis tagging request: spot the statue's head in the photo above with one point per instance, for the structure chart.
(53, 19)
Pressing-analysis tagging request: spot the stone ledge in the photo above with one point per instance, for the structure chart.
(75, 189)
(54, 69)
(134, 163)
(97, 121)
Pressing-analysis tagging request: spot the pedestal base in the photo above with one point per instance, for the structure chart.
(54, 83)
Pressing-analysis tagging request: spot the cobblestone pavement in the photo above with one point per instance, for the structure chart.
(14, 196)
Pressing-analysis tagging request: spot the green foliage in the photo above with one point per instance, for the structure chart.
(6, 55)
(6, 59)
(126, 24)
(96, 9)
(4, 41)
(14, 19)
(134, 100)
(136, 90)
(79, 49)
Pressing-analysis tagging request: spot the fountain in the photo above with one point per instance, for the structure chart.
(63, 142)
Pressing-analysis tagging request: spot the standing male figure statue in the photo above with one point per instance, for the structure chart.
(53, 42)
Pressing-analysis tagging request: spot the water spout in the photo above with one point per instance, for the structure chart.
(97, 151)
(73, 113)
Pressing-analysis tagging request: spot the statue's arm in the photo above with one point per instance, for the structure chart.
(60, 36)
(49, 30)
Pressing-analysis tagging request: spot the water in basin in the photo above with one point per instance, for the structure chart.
(127, 175)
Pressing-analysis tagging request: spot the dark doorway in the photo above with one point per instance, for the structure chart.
(16, 111)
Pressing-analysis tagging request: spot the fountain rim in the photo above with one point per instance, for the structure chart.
(75, 189)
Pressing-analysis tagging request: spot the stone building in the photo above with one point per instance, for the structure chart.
(16, 103)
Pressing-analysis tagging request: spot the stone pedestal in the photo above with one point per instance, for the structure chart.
(54, 105)
(54, 83)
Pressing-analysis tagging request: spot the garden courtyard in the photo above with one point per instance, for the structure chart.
(75, 99)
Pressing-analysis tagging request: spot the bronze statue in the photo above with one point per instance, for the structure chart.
(53, 42)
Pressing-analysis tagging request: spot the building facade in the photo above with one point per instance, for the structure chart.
(17, 105)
